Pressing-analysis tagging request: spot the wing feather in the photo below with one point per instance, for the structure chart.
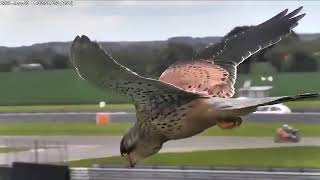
(99, 68)
(244, 44)
(231, 51)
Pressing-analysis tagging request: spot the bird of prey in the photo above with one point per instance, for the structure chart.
(189, 97)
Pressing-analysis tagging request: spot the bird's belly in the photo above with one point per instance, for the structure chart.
(186, 132)
(188, 120)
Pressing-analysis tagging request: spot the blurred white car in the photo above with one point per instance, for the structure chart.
(273, 109)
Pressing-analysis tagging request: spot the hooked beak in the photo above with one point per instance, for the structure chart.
(132, 163)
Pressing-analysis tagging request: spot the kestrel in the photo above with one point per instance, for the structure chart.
(189, 97)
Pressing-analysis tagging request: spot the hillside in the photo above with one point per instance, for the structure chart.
(151, 58)
(45, 51)
(310, 36)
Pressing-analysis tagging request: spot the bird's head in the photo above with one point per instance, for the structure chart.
(136, 147)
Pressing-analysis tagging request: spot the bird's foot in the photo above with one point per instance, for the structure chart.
(229, 123)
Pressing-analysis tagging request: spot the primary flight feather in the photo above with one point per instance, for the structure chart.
(189, 97)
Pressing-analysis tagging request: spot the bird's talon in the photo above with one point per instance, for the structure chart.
(230, 123)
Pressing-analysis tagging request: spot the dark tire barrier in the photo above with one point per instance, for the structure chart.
(33, 171)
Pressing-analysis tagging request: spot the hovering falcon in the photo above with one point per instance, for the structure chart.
(189, 97)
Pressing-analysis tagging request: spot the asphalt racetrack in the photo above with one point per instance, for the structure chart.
(84, 147)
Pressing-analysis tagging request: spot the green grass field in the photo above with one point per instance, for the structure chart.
(254, 129)
(63, 129)
(7, 150)
(304, 104)
(286, 83)
(51, 87)
(69, 108)
(65, 87)
(302, 157)
(247, 129)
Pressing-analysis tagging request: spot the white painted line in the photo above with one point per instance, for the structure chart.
(38, 150)
(200, 171)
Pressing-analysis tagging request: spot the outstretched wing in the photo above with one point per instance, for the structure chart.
(244, 44)
(99, 68)
(229, 53)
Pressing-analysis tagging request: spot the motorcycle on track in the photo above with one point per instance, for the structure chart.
(287, 134)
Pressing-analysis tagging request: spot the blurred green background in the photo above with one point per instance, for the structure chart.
(66, 87)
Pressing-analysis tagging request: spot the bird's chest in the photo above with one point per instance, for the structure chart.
(182, 121)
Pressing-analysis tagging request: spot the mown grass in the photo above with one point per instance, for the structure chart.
(247, 129)
(259, 129)
(63, 129)
(69, 108)
(304, 104)
(7, 150)
(52, 87)
(302, 157)
(65, 87)
(286, 83)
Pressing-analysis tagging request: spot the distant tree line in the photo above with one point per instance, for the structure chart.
(290, 55)
(47, 58)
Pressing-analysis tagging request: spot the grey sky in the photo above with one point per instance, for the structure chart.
(141, 20)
